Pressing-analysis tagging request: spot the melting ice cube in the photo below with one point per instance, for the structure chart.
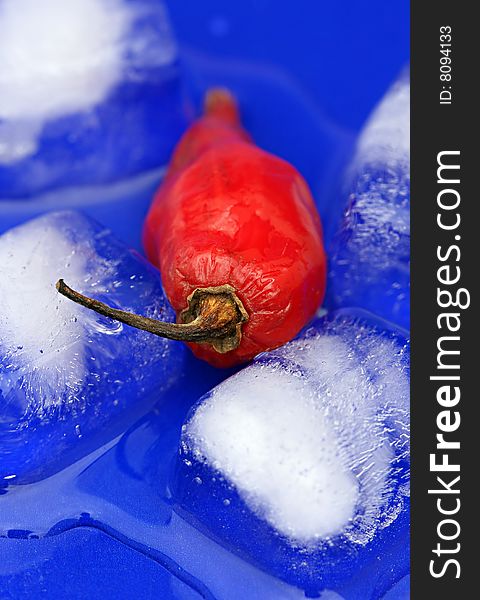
(67, 375)
(301, 460)
(370, 257)
(262, 430)
(89, 92)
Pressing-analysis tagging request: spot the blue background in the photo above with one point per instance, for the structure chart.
(307, 75)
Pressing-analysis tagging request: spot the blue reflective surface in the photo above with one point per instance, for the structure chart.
(65, 566)
(307, 76)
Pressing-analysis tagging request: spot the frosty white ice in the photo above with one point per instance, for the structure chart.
(370, 256)
(310, 434)
(89, 92)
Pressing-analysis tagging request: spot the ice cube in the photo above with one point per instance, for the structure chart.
(276, 449)
(370, 256)
(89, 92)
(70, 379)
(300, 461)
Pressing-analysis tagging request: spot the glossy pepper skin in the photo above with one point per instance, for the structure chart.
(231, 213)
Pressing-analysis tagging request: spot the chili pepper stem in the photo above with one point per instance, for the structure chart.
(214, 315)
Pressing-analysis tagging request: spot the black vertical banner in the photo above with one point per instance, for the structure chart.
(445, 255)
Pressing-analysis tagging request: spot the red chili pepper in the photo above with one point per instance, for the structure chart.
(238, 241)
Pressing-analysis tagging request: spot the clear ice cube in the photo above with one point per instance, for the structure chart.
(301, 460)
(90, 92)
(370, 255)
(69, 378)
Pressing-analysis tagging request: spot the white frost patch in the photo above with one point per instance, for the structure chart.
(386, 136)
(310, 452)
(41, 332)
(60, 57)
(264, 431)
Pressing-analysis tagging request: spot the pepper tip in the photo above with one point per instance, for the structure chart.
(220, 102)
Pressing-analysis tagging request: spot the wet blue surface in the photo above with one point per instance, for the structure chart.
(306, 76)
(85, 562)
(343, 55)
